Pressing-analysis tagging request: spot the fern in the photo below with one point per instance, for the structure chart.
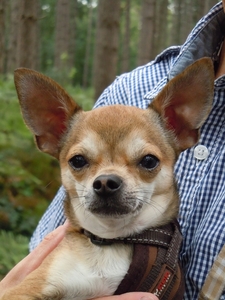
(13, 248)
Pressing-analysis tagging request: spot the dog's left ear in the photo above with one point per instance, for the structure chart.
(46, 108)
(185, 102)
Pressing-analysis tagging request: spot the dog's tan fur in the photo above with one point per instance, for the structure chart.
(115, 141)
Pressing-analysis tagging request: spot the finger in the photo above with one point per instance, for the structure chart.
(131, 296)
(47, 245)
(35, 258)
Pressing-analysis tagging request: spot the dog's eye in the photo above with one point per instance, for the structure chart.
(78, 162)
(149, 162)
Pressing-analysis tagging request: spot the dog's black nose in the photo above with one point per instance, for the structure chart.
(107, 184)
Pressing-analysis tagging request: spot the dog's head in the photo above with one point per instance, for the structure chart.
(117, 161)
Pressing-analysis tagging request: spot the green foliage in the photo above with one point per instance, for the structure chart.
(13, 248)
(29, 179)
(19, 211)
(83, 97)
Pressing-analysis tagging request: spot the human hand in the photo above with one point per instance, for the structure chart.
(131, 296)
(33, 260)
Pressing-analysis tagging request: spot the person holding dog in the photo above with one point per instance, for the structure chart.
(199, 171)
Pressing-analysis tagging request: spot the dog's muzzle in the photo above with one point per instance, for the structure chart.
(108, 197)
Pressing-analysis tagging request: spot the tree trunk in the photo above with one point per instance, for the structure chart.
(161, 29)
(2, 35)
(62, 35)
(145, 47)
(187, 21)
(126, 40)
(27, 37)
(14, 23)
(209, 4)
(176, 23)
(106, 44)
(86, 72)
(198, 10)
(72, 33)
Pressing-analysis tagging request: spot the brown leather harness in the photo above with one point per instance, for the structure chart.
(155, 267)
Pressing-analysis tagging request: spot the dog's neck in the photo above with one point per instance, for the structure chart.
(153, 236)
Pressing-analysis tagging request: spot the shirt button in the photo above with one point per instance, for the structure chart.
(201, 152)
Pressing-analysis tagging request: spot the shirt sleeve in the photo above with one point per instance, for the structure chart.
(52, 218)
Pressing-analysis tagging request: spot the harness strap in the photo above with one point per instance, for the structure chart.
(154, 236)
(155, 268)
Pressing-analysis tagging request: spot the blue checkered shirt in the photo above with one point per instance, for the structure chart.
(201, 182)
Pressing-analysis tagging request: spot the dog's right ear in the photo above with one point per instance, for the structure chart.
(46, 108)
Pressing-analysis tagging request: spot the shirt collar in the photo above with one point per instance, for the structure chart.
(204, 40)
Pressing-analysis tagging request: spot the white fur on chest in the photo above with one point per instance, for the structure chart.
(88, 271)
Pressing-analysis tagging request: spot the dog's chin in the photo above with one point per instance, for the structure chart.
(106, 225)
(109, 221)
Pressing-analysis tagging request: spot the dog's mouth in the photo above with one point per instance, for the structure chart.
(114, 206)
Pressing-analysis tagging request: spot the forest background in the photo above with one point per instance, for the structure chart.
(83, 45)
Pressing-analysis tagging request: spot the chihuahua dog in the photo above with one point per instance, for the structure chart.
(117, 169)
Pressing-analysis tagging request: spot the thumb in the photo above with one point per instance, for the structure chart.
(131, 296)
